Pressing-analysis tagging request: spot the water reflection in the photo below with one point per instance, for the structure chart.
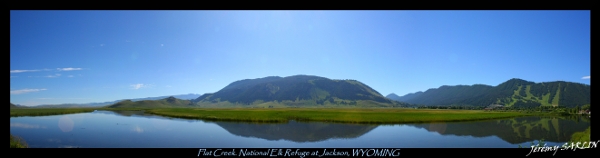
(23, 125)
(514, 130)
(126, 129)
(297, 131)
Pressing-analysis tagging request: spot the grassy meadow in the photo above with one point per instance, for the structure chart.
(16, 112)
(342, 115)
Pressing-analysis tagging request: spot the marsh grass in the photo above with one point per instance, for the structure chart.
(341, 115)
(282, 115)
(17, 112)
(17, 142)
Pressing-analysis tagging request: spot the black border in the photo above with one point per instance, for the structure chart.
(300, 5)
(193, 152)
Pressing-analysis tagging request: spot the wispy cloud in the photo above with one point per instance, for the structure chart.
(21, 91)
(168, 86)
(68, 69)
(19, 71)
(162, 45)
(70, 76)
(58, 69)
(52, 76)
(585, 77)
(139, 85)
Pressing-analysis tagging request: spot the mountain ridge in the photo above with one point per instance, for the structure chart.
(515, 91)
(296, 90)
(188, 96)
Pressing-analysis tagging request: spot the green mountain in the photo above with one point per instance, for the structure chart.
(514, 92)
(299, 90)
(69, 105)
(163, 103)
(409, 96)
(16, 106)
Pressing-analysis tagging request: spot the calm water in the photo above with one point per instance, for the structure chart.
(106, 129)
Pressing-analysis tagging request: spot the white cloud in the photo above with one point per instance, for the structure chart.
(70, 76)
(50, 76)
(21, 91)
(138, 86)
(19, 71)
(59, 69)
(68, 69)
(585, 77)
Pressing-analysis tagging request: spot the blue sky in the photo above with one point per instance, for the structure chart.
(96, 56)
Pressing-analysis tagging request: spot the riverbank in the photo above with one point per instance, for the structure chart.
(583, 136)
(341, 115)
(17, 142)
(17, 112)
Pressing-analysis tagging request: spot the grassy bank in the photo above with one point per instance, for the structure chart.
(581, 136)
(342, 115)
(349, 115)
(17, 142)
(16, 112)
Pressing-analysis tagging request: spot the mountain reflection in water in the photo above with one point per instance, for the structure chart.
(514, 130)
(127, 129)
(297, 131)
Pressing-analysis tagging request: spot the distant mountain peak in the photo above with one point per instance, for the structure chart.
(294, 90)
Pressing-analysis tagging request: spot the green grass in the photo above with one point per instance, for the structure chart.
(528, 94)
(17, 142)
(512, 99)
(581, 136)
(16, 112)
(342, 115)
(334, 114)
(555, 99)
(545, 99)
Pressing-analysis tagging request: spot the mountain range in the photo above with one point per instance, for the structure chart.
(181, 96)
(162, 103)
(306, 90)
(298, 90)
(514, 92)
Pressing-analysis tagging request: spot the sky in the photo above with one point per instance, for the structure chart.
(96, 56)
